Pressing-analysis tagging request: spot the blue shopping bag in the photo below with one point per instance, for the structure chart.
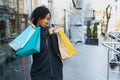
(22, 39)
(32, 46)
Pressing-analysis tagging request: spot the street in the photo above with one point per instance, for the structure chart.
(90, 63)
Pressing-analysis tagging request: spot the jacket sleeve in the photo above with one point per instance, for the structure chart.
(54, 43)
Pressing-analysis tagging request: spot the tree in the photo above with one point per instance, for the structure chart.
(88, 33)
(108, 16)
(95, 33)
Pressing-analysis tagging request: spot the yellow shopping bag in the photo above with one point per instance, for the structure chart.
(65, 46)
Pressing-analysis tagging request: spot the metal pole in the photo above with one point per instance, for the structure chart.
(29, 16)
(108, 64)
(18, 13)
(64, 20)
(116, 12)
(30, 8)
(30, 60)
(51, 10)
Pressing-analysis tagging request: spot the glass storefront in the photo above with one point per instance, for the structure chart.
(12, 23)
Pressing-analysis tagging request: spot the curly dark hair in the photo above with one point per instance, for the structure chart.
(39, 12)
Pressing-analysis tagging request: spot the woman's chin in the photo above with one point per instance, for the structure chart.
(45, 25)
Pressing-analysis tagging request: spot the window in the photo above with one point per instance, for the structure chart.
(11, 3)
(1, 2)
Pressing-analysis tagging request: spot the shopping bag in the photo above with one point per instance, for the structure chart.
(65, 46)
(32, 46)
(22, 39)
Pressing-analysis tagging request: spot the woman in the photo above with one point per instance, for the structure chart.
(47, 64)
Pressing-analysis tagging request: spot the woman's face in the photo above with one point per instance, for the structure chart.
(44, 22)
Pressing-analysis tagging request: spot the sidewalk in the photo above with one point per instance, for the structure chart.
(90, 63)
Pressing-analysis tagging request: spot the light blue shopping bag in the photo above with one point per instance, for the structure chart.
(32, 46)
(22, 39)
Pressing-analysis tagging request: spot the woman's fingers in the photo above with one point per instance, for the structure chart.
(51, 30)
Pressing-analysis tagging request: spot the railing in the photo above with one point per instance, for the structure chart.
(114, 36)
(112, 52)
(111, 49)
(7, 38)
(4, 41)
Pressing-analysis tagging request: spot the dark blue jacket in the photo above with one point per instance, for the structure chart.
(47, 65)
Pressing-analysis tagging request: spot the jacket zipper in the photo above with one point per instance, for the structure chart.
(52, 75)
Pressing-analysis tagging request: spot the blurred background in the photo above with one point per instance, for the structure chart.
(77, 18)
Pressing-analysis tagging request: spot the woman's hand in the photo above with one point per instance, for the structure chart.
(29, 22)
(51, 30)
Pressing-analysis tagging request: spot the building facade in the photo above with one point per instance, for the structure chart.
(12, 16)
(13, 19)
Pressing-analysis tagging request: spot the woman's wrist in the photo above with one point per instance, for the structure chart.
(51, 30)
